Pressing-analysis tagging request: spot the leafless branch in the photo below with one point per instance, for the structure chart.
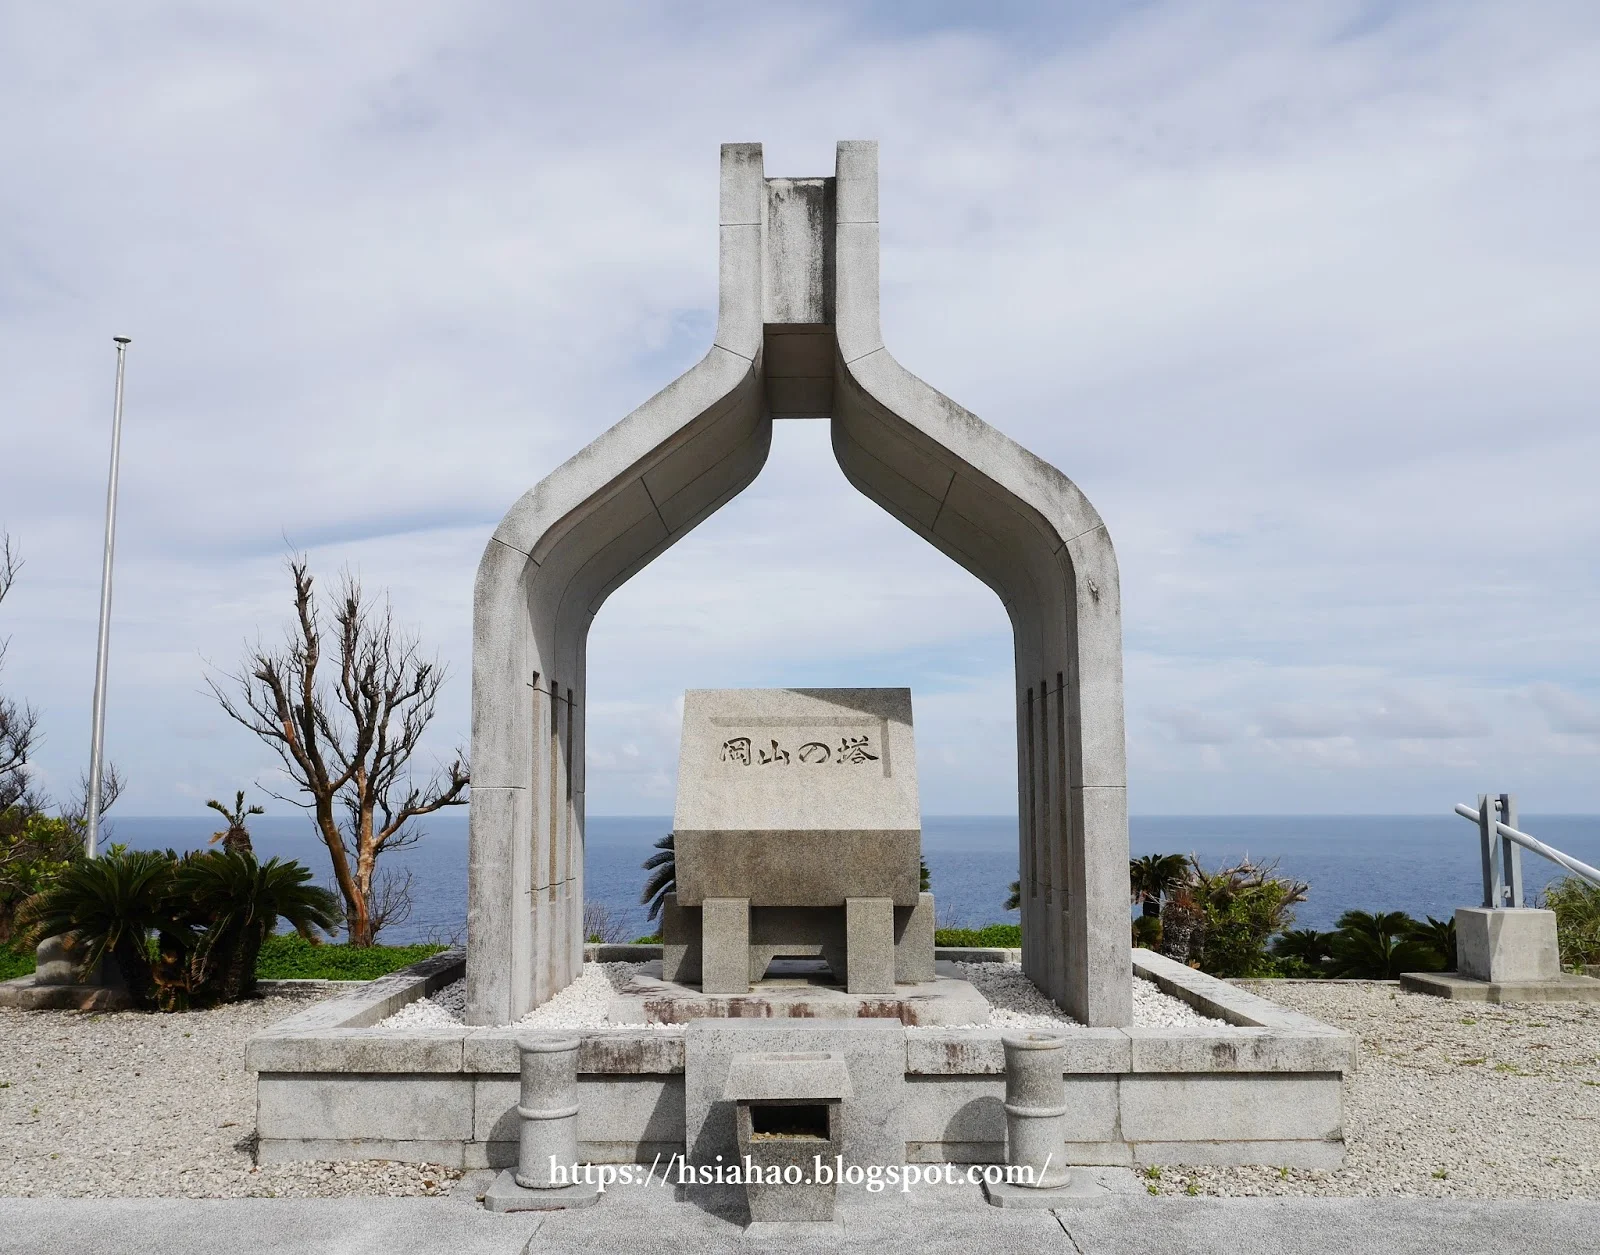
(345, 728)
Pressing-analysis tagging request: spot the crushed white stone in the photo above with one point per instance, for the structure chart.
(582, 1004)
(1016, 1002)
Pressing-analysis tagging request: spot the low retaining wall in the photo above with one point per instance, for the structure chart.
(1262, 1086)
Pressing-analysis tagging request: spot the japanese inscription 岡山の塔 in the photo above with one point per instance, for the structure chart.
(850, 750)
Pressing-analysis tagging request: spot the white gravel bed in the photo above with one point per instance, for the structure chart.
(1449, 1100)
(137, 1106)
(582, 1004)
(1016, 1002)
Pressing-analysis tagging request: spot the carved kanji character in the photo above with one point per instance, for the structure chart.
(736, 750)
(776, 756)
(855, 749)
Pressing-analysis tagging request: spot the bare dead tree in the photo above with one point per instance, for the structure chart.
(19, 722)
(345, 733)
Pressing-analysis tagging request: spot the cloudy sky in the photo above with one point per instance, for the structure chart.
(1305, 297)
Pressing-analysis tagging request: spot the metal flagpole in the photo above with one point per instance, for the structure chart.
(97, 740)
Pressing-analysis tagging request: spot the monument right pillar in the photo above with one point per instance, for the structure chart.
(1025, 529)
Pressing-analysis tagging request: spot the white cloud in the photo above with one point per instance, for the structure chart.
(1302, 297)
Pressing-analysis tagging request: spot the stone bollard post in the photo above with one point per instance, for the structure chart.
(547, 1176)
(548, 1110)
(1036, 1106)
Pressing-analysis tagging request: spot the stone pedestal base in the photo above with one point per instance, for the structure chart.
(26, 994)
(649, 999)
(1506, 945)
(506, 1195)
(1563, 988)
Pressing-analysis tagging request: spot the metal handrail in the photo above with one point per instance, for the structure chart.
(1502, 864)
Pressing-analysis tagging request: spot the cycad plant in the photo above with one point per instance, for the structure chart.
(233, 903)
(1304, 948)
(1438, 938)
(236, 836)
(1378, 946)
(113, 904)
(207, 914)
(1152, 876)
(663, 877)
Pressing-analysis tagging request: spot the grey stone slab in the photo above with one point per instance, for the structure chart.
(611, 1109)
(647, 1221)
(1509, 945)
(26, 994)
(968, 1051)
(505, 1195)
(682, 941)
(869, 945)
(797, 760)
(611, 1050)
(787, 1074)
(648, 1000)
(874, 1052)
(414, 1107)
(955, 1109)
(1563, 988)
(725, 945)
(812, 868)
(1185, 1048)
(1201, 1107)
(447, 1153)
(913, 941)
(357, 1050)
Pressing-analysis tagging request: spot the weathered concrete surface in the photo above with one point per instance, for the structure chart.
(792, 248)
(797, 797)
(939, 1001)
(1509, 945)
(931, 1221)
(1563, 988)
(1262, 1086)
(874, 1053)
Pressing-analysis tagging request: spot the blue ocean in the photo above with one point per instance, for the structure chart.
(1423, 865)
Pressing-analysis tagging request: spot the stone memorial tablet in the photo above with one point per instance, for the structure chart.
(797, 797)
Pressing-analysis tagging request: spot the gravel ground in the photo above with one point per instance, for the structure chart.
(1449, 1100)
(133, 1105)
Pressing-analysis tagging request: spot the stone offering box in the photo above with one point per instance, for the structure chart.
(797, 832)
(1259, 1084)
(787, 1116)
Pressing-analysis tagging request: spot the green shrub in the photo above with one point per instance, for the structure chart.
(1222, 921)
(1008, 936)
(15, 961)
(652, 939)
(1380, 945)
(34, 850)
(180, 931)
(1577, 907)
(288, 956)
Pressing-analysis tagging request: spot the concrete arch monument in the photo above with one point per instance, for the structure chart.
(797, 337)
